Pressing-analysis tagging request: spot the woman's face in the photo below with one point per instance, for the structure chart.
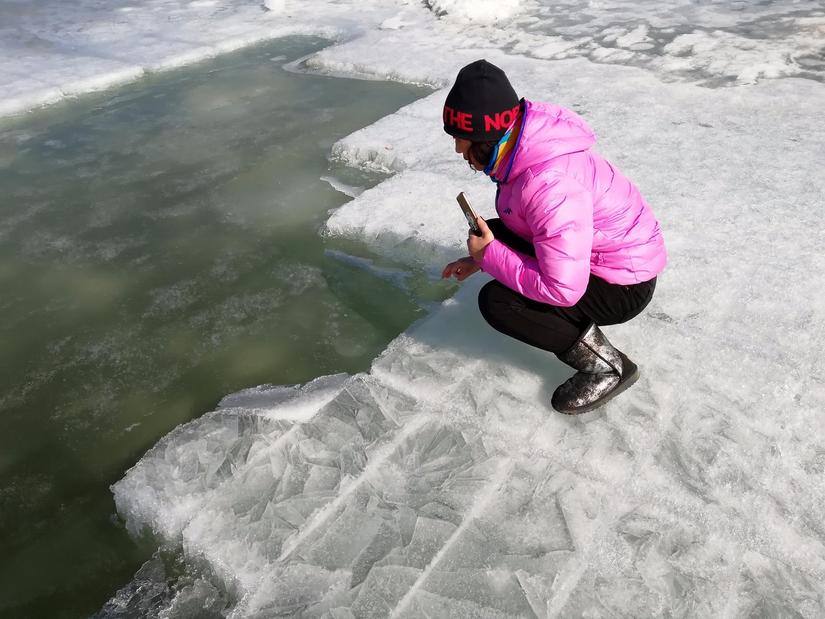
(462, 147)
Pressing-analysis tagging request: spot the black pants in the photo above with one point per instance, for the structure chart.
(550, 327)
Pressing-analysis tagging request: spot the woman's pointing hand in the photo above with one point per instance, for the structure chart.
(461, 269)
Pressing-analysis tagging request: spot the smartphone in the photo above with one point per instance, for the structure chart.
(469, 213)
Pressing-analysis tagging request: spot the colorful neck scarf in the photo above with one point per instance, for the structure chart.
(503, 150)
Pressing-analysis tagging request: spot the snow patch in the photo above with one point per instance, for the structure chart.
(722, 53)
(484, 11)
(276, 6)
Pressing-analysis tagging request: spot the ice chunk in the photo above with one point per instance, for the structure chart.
(347, 190)
(164, 587)
(724, 54)
(287, 402)
(475, 10)
(178, 473)
(400, 227)
(634, 37)
(396, 276)
(147, 594)
(294, 590)
(768, 588)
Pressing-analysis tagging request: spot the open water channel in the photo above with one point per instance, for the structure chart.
(159, 249)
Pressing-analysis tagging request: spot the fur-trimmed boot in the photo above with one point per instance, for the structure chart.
(603, 373)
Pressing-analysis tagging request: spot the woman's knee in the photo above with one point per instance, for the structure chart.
(509, 313)
(496, 303)
(640, 299)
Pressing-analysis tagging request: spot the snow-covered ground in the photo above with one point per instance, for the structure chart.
(50, 49)
(441, 483)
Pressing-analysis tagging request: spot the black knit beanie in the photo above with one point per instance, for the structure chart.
(481, 104)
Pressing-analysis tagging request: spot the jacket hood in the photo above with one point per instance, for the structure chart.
(547, 131)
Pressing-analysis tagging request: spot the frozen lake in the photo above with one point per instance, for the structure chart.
(438, 482)
(160, 248)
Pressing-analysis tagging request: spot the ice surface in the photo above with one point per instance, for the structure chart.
(396, 218)
(440, 483)
(710, 43)
(415, 510)
(475, 10)
(296, 402)
(50, 49)
(452, 490)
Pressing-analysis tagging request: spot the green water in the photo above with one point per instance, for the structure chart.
(159, 249)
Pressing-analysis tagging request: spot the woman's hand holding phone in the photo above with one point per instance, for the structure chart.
(461, 269)
(477, 244)
(480, 235)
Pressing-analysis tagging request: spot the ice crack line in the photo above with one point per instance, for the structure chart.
(482, 501)
(382, 455)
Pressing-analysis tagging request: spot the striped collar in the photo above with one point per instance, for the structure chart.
(503, 151)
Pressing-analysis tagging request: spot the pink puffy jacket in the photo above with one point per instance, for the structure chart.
(580, 213)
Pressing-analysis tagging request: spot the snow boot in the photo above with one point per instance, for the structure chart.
(603, 373)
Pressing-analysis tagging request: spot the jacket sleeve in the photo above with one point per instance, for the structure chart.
(560, 216)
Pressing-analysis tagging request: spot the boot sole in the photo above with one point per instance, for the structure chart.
(622, 386)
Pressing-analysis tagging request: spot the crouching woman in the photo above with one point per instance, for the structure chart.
(575, 246)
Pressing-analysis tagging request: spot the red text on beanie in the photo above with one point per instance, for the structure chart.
(481, 105)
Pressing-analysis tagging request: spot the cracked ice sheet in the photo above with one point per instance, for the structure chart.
(377, 501)
(698, 492)
(383, 501)
(440, 484)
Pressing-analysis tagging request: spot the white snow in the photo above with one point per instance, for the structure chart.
(486, 11)
(634, 37)
(50, 49)
(440, 483)
(727, 54)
